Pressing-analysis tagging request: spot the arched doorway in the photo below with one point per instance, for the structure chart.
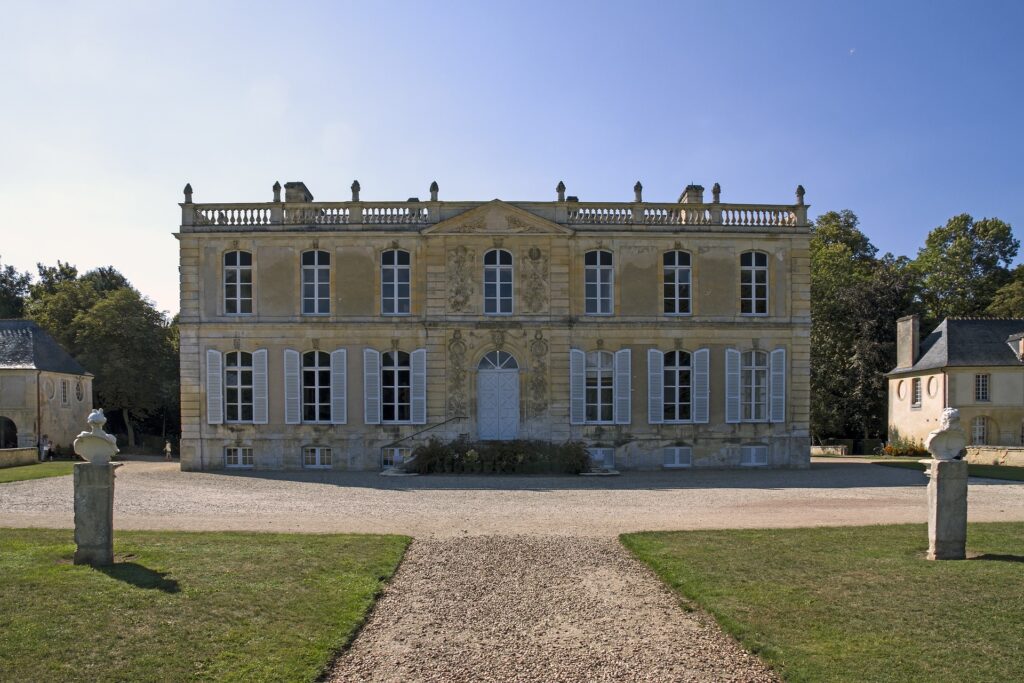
(8, 433)
(497, 397)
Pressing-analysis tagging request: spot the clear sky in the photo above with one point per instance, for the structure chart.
(905, 112)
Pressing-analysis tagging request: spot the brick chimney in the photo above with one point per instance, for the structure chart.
(908, 340)
(693, 194)
(296, 191)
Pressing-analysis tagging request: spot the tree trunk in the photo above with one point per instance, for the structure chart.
(128, 426)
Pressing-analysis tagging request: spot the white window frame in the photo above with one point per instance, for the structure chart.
(979, 431)
(317, 457)
(239, 386)
(393, 456)
(602, 457)
(675, 388)
(65, 392)
(754, 387)
(599, 380)
(677, 457)
(499, 275)
(599, 275)
(395, 385)
(754, 455)
(754, 276)
(915, 392)
(239, 457)
(320, 369)
(396, 275)
(242, 305)
(982, 384)
(318, 276)
(677, 280)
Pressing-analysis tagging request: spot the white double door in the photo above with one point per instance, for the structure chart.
(497, 403)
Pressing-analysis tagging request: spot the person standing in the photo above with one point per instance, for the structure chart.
(167, 450)
(44, 449)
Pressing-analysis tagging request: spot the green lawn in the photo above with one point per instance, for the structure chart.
(856, 603)
(39, 470)
(183, 606)
(990, 471)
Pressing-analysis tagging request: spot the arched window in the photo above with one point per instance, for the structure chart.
(238, 386)
(676, 267)
(316, 386)
(754, 386)
(600, 386)
(979, 431)
(237, 283)
(498, 282)
(394, 282)
(498, 360)
(316, 282)
(678, 387)
(754, 283)
(396, 392)
(599, 276)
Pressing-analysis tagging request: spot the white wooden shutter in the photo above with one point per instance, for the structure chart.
(292, 387)
(655, 387)
(577, 386)
(371, 387)
(701, 386)
(214, 387)
(339, 387)
(418, 361)
(778, 386)
(259, 387)
(623, 388)
(732, 385)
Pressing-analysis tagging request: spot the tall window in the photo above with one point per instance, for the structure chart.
(979, 431)
(678, 387)
(237, 282)
(396, 391)
(498, 282)
(677, 282)
(599, 276)
(754, 386)
(316, 386)
(981, 387)
(600, 386)
(65, 392)
(237, 457)
(394, 282)
(915, 392)
(754, 283)
(238, 386)
(316, 282)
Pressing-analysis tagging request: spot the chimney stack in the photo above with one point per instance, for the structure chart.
(908, 340)
(296, 191)
(693, 194)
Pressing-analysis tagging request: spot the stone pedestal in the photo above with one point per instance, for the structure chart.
(947, 509)
(94, 513)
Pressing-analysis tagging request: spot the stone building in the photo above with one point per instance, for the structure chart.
(972, 364)
(342, 334)
(43, 390)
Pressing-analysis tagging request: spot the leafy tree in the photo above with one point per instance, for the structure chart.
(1008, 301)
(106, 279)
(13, 291)
(126, 343)
(55, 307)
(963, 264)
(51, 276)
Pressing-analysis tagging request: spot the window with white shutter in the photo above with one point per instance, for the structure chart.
(577, 386)
(701, 361)
(623, 387)
(777, 406)
(732, 386)
(339, 387)
(260, 411)
(292, 388)
(655, 383)
(371, 386)
(214, 388)
(419, 386)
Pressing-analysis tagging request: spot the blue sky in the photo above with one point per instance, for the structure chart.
(906, 113)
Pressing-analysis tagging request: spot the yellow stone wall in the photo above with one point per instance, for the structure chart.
(34, 401)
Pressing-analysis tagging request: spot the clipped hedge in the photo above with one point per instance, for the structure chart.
(463, 456)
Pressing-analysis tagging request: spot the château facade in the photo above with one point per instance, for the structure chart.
(343, 334)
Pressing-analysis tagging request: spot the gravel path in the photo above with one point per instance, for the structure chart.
(536, 608)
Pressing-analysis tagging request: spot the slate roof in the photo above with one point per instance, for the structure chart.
(968, 342)
(26, 346)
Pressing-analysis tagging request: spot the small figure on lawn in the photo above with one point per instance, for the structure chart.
(167, 450)
(44, 449)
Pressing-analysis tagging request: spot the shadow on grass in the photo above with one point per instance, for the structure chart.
(994, 557)
(140, 577)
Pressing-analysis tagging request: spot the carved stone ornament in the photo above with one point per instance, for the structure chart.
(460, 279)
(237, 343)
(537, 383)
(316, 344)
(535, 281)
(498, 338)
(947, 442)
(96, 445)
(457, 404)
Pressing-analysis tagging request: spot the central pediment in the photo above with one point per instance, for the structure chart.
(497, 218)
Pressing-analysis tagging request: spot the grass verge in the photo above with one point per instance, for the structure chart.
(856, 603)
(990, 471)
(184, 606)
(39, 470)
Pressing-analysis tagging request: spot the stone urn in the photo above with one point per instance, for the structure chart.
(96, 446)
(949, 441)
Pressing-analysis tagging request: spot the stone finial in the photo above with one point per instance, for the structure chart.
(277, 191)
(716, 193)
(800, 195)
(638, 192)
(433, 191)
(188, 193)
(355, 190)
(560, 189)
